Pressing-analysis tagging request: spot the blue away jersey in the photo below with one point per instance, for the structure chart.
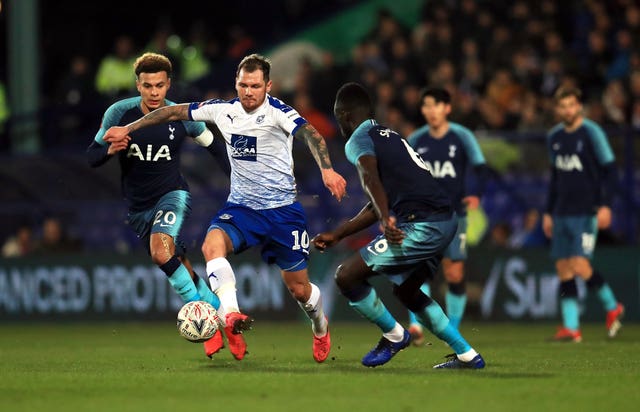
(578, 161)
(150, 166)
(449, 158)
(413, 193)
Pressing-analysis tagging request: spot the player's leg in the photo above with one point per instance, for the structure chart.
(201, 285)
(569, 306)
(159, 227)
(351, 279)
(309, 298)
(596, 283)
(456, 296)
(228, 233)
(563, 246)
(453, 269)
(415, 328)
(288, 247)
(431, 316)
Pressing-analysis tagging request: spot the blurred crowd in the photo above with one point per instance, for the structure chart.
(501, 61)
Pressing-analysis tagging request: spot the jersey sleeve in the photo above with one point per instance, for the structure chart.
(110, 118)
(600, 143)
(204, 111)
(286, 116)
(471, 146)
(360, 144)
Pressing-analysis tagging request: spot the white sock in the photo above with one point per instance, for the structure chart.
(396, 334)
(223, 283)
(468, 355)
(313, 309)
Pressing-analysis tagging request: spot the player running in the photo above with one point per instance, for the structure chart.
(262, 209)
(417, 221)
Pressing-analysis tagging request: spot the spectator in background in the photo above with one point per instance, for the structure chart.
(55, 239)
(21, 243)
(114, 79)
(530, 233)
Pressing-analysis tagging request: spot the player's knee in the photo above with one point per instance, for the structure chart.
(160, 256)
(454, 276)
(341, 278)
(299, 291)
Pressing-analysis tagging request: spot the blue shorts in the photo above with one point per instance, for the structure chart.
(167, 216)
(457, 249)
(421, 250)
(573, 236)
(281, 231)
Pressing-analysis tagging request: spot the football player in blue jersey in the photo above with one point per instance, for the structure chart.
(157, 194)
(417, 221)
(262, 208)
(450, 151)
(582, 184)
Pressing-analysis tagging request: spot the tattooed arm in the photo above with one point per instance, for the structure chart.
(160, 115)
(318, 147)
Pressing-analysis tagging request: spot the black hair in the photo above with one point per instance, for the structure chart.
(354, 97)
(439, 94)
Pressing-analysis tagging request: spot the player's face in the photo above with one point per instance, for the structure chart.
(435, 113)
(153, 88)
(569, 110)
(252, 89)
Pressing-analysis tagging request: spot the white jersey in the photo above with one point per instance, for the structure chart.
(259, 147)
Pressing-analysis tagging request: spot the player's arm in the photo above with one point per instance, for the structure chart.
(318, 147)
(158, 116)
(365, 218)
(100, 151)
(609, 185)
(369, 178)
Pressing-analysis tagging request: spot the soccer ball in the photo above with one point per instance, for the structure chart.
(197, 321)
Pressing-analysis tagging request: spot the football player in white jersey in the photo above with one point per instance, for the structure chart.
(262, 209)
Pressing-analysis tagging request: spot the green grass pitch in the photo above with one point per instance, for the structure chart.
(149, 367)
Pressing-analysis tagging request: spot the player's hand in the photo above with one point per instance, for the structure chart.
(391, 232)
(335, 183)
(604, 217)
(115, 147)
(324, 241)
(116, 134)
(472, 202)
(547, 225)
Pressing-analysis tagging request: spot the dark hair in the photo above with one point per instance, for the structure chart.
(353, 97)
(564, 92)
(438, 93)
(254, 62)
(152, 63)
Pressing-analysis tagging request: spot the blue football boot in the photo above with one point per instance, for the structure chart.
(385, 350)
(454, 363)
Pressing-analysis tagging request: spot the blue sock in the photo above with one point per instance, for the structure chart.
(455, 307)
(570, 313)
(372, 308)
(434, 319)
(426, 289)
(607, 298)
(180, 280)
(206, 293)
